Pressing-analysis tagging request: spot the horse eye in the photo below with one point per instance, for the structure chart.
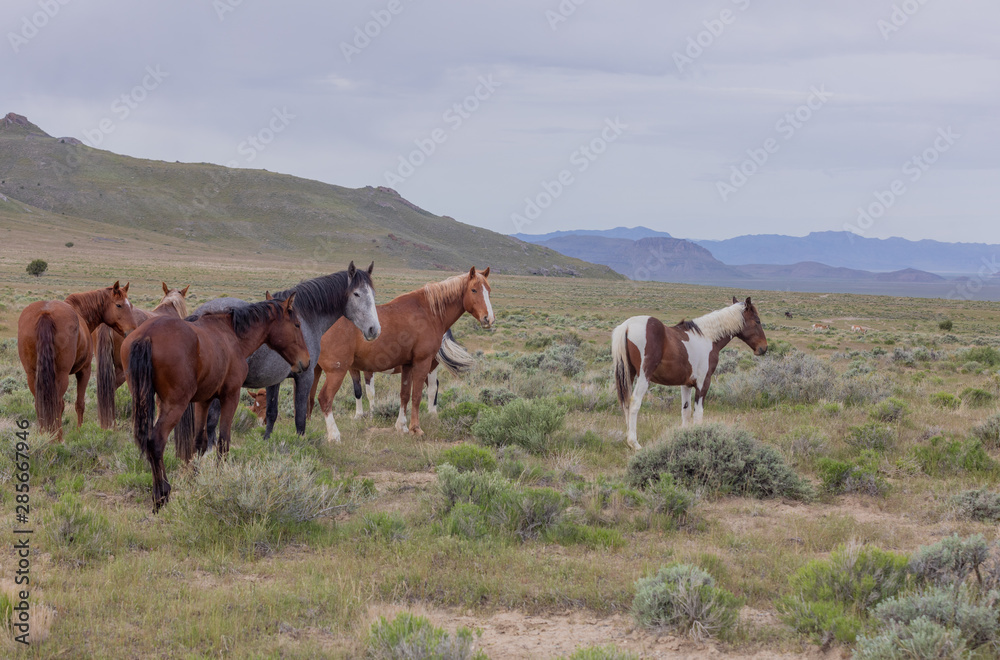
(118, 304)
(473, 291)
(357, 295)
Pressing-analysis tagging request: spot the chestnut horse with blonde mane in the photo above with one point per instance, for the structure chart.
(54, 341)
(645, 351)
(176, 362)
(108, 351)
(413, 325)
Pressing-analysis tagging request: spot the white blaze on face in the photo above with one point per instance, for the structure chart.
(489, 307)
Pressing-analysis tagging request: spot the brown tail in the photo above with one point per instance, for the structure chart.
(47, 399)
(184, 435)
(623, 372)
(106, 377)
(140, 381)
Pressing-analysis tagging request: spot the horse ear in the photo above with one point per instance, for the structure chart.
(166, 289)
(735, 300)
(125, 288)
(486, 273)
(748, 303)
(371, 267)
(351, 270)
(268, 296)
(115, 286)
(472, 273)
(288, 301)
(184, 291)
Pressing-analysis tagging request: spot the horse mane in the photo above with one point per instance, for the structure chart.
(439, 294)
(89, 304)
(721, 323)
(173, 299)
(247, 317)
(324, 295)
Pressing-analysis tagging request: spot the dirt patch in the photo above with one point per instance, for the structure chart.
(515, 635)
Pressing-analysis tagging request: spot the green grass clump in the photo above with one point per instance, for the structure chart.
(411, 637)
(830, 598)
(860, 476)
(890, 411)
(468, 457)
(459, 419)
(76, 532)
(721, 459)
(946, 400)
(989, 432)
(975, 397)
(684, 599)
(984, 355)
(383, 526)
(607, 652)
(872, 436)
(941, 456)
(525, 423)
(981, 505)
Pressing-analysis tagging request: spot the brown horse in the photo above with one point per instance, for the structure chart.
(645, 351)
(54, 341)
(179, 362)
(412, 327)
(108, 351)
(258, 403)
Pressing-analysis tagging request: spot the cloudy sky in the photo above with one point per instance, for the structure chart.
(703, 119)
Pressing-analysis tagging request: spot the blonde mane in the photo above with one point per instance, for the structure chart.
(722, 323)
(173, 299)
(440, 294)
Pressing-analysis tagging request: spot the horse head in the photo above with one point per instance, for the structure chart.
(285, 336)
(177, 298)
(360, 307)
(117, 311)
(753, 332)
(476, 299)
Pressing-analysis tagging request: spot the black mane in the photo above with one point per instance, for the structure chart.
(690, 326)
(325, 295)
(247, 317)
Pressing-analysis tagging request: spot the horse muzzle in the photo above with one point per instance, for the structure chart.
(299, 367)
(486, 322)
(761, 350)
(372, 333)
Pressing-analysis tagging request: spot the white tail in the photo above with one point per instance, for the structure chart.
(619, 358)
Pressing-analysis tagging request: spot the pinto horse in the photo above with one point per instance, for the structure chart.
(108, 351)
(645, 351)
(180, 362)
(54, 341)
(320, 302)
(413, 325)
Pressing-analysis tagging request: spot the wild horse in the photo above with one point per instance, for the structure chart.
(645, 351)
(178, 362)
(108, 351)
(413, 325)
(54, 341)
(320, 302)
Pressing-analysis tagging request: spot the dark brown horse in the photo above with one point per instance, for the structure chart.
(108, 351)
(412, 327)
(645, 351)
(181, 362)
(54, 341)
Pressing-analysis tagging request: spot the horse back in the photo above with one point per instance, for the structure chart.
(665, 358)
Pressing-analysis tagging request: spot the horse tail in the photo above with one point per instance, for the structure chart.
(106, 377)
(140, 380)
(623, 372)
(184, 435)
(356, 379)
(46, 397)
(453, 355)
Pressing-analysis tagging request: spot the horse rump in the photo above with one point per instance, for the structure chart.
(453, 355)
(140, 380)
(47, 398)
(107, 380)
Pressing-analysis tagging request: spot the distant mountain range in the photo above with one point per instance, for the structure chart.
(631, 233)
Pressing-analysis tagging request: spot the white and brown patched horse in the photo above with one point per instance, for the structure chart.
(645, 351)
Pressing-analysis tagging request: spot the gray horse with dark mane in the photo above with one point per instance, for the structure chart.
(319, 302)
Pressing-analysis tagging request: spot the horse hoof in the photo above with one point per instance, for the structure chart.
(418, 431)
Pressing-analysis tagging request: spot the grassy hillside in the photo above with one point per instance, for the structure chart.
(253, 211)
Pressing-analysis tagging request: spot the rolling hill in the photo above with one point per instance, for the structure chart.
(251, 210)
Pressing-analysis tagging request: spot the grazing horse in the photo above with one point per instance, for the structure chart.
(413, 325)
(54, 341)
(645, 351)
(320, 302)
(108, 351)
(197, 360)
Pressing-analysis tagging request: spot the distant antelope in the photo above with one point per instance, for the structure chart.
(820, 326)
(859, 328)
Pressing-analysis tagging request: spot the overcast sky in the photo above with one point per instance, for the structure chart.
(702, 119)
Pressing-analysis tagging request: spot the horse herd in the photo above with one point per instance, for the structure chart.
(193, 367)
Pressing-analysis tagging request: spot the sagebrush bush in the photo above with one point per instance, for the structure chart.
(562, 359)
(860, 476)
(975, 397)
(889, 411)
(950, 561)
(864, 390)
(873, 436)
(983, 354)
(797, 378)
(721, 459)
(383, 526)
(521, 422)
(921, 639)
(496, 396)
(458, 420)
(946, 400)
(989, 432)
(981, 505)
(948, 607)
(806, 444)
(940, 456)
(468, 457)
(684, 599)
(411, 637)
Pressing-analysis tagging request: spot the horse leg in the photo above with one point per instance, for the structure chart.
(432, 390)
(229, 399)
(303, 385)
(271, 414)
(82, 378)
(685, 405)
(62, 384)
(201, 444)
(404, 397)
(638, 391)
(170, 414)
(417, 378)
(370, 388)
(326, 394)
(699, 400)
(211, 424)
(312, 390)
(359, 409)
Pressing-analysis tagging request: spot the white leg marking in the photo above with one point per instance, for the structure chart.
(359, 410)
(332, 432)
(685, 405)
(639, 391)
(699, 409)
(432, 391)
(370, 389)
(401, 421)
